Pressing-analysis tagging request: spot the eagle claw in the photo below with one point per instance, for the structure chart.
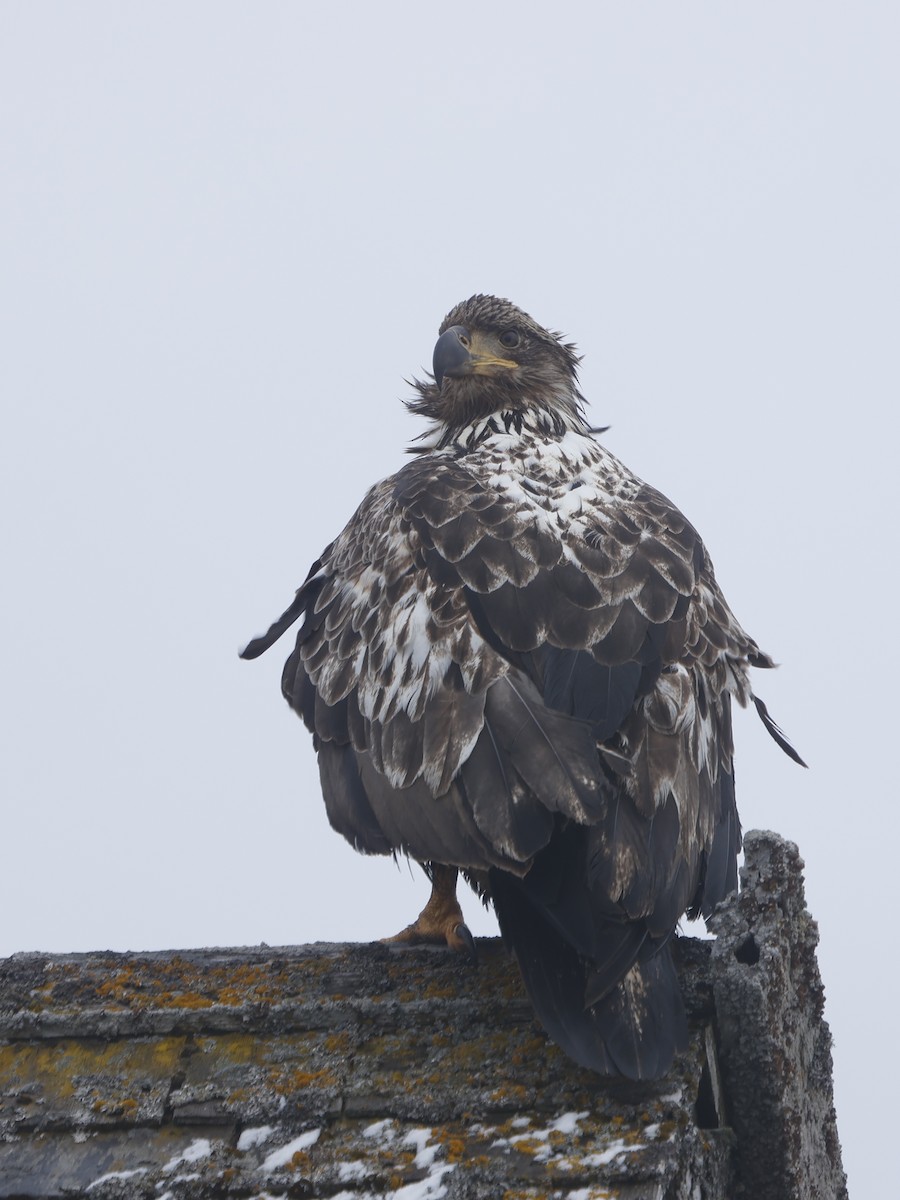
(440, 921)
(463, 941)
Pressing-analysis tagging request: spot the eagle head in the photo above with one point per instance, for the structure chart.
(491, 358)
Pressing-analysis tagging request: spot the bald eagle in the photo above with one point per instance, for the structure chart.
(515, 661)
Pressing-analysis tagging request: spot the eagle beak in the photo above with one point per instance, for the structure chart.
(458, 352)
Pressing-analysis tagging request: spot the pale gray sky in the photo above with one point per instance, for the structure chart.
(229, 232)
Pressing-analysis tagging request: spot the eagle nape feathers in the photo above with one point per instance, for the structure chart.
(516, 662)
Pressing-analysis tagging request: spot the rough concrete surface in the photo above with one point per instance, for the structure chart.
(774, 1044)
(354, 1071)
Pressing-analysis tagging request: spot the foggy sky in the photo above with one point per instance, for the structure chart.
(229, 234)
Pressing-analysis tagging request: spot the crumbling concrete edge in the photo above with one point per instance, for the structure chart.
(774, 1043)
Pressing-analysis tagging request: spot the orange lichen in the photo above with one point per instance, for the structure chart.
(191, 1000)
(528, 1145)
(290, 1082)
(456, 1149)
(61, 1064)
(527, 1051)
(338, 1043)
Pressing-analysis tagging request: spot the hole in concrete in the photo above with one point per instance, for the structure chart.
(748, 951)
(705, 1112)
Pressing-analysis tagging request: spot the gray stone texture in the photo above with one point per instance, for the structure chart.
(357, 1071)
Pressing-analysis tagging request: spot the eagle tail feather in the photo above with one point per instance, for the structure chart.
(258, 645)
(778, 734)
(303, 600)
(643, 1021)
(635, 1026)
(719, 877)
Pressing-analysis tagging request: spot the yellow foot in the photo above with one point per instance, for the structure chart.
(441, 921)
(455, 934)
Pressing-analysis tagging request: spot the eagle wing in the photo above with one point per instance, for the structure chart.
(429, 742)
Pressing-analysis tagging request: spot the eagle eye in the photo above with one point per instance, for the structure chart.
(510, 338)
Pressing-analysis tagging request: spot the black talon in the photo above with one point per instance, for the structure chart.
(465, 935)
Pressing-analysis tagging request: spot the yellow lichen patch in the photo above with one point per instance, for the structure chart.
(529, 1145)
(634, 1137)
(321, 966)
(120, 989)
(248, 983)
(175, 982)
(176, 985)
(456, 1149)
(106, 1080)
(111, 1106)
(235, 1049)
(527, 1051)
(59, 1065)
(514, 1095)
(338, 1043)
(391, 1052)
(474, 1052)
(400, 1158)
(436, 991)
(288, 1083)
(242, 1065)
(191, 1000)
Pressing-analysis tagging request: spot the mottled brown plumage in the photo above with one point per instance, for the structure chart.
(515, 660)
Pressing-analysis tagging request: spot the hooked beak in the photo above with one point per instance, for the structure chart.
(459, 352)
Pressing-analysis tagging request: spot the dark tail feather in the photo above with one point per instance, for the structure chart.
(776, 733)
(643, 1020)
(636, 1028)
(719, 874)
(259, 645)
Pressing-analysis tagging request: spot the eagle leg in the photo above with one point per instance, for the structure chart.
(441, 920)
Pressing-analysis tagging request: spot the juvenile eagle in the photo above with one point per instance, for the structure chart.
(515, 661)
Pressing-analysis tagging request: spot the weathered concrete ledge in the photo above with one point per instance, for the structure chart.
(356, 1071)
